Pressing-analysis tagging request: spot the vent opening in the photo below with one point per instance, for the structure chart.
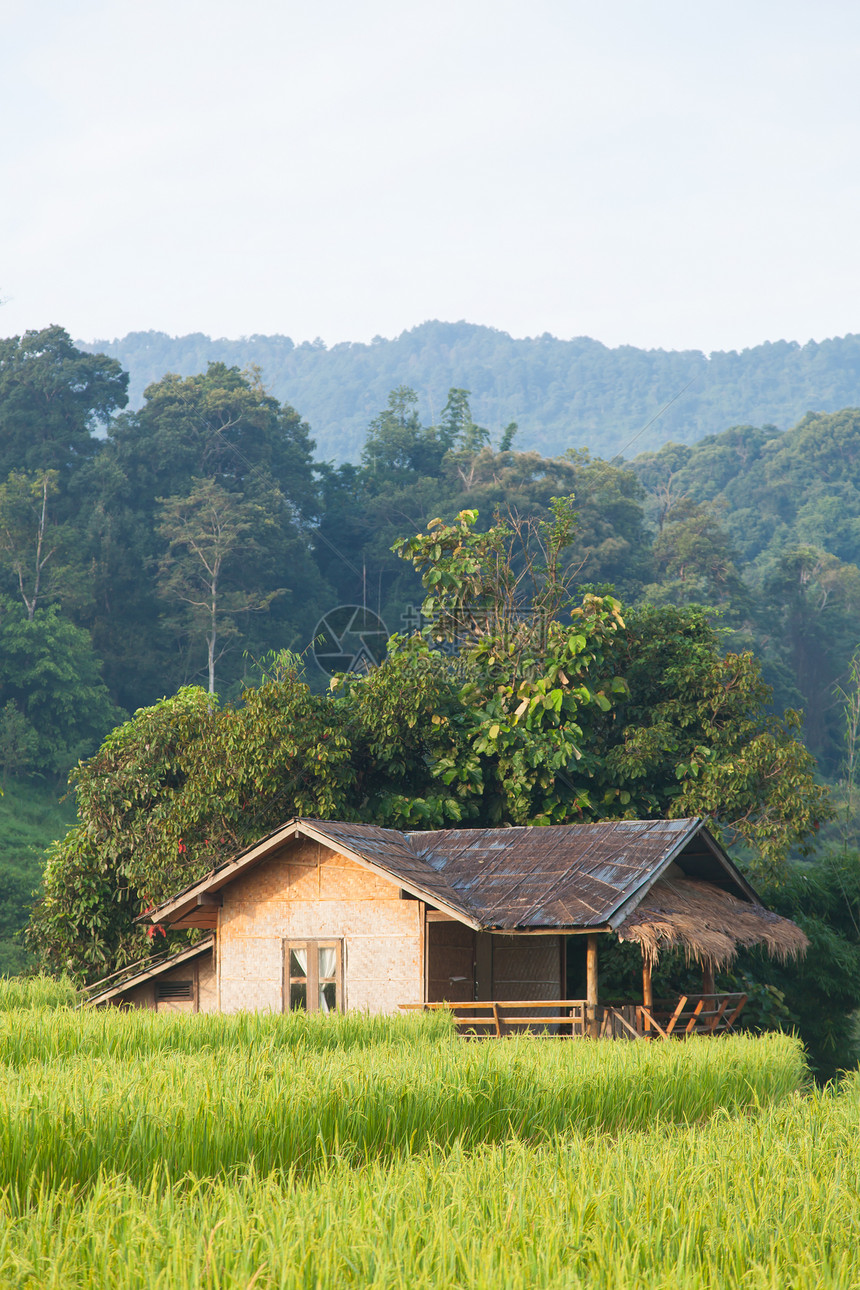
(173, 991)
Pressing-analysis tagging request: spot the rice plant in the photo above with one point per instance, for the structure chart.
(765, 1200)
(140, 1033)
(146, 1151)
(282, 1106)
(37, 992)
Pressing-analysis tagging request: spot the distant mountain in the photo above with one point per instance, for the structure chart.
(563, 393)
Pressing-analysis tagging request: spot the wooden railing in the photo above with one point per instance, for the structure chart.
(507, 1016)
(700, 1014)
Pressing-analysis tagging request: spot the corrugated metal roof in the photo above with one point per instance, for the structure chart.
(564, 875)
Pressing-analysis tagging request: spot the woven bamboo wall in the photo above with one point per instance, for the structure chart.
(144, 995)
(207, 984)
(141, 996)
(528, 967)
(309, 891)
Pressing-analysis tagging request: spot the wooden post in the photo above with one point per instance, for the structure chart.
(708, 978)
(647, 995)
(591, 984)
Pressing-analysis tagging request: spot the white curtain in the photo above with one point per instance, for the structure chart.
(327, 989)
(298, 962)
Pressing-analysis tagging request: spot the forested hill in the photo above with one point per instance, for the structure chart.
(196, 537)
(563, 393)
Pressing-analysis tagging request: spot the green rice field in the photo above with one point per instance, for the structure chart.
(163, 1151)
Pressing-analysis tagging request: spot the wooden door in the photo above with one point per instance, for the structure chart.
(450, 963)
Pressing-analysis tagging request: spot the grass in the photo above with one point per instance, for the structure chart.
(154, 1151)
(291, 1107)
(770, 1204)
(31, 816)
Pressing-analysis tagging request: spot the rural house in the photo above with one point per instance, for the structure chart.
(322, 915)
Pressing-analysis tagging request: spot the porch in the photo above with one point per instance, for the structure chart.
(536, 981)
(496, 985)
(699, 1014)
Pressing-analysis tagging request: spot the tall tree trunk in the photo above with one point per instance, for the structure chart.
(32, 601)
(213, 634)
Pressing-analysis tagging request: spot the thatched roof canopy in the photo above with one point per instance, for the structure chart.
(708, 923)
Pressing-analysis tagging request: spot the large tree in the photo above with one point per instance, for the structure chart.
(212, 537)
(28, 540)
(410, 474)
(220, 425)
(52, 397)
(221, 431)
(51, 676)
(398, 449)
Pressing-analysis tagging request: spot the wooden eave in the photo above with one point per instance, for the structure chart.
(150, 973)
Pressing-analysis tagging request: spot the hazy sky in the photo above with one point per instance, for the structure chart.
(655, 173)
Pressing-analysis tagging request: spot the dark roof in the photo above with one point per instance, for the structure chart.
(565, 875)
(573, 876)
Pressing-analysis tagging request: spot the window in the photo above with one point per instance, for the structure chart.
(313, 976)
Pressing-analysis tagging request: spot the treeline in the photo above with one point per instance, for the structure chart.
(563, 393)
(186, 539)
(766, 527)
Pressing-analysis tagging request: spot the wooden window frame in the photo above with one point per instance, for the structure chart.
(312, 945)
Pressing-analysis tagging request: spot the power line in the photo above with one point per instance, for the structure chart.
(619, 456)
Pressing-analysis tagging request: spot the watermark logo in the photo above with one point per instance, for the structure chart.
(460, 626)
(352, 638)
(349, 638)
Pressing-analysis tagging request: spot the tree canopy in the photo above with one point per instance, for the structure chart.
(518, 703)
(757, 526)
(635, 657)
(52, 397)
(767, 526)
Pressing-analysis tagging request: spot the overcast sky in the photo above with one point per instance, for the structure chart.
(658, 174)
